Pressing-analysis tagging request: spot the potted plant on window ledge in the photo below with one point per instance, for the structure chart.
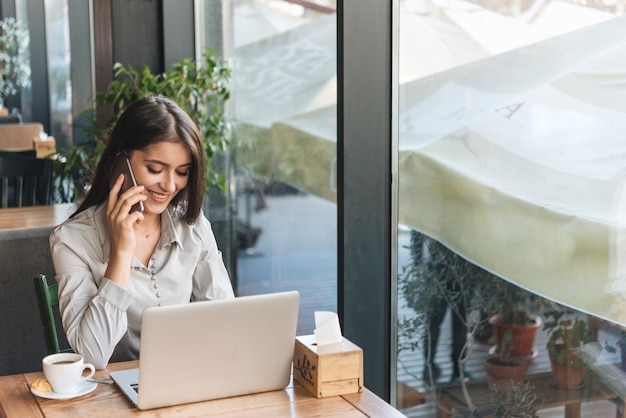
(568, 334)
(514, 329)
(505, 371)
(515, 321)
(436, 274)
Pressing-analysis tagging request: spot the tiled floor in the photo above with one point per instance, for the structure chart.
(297, 250)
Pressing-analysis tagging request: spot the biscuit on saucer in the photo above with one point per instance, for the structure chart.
(42, 385)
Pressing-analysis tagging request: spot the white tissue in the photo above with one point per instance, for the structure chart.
(327, 330)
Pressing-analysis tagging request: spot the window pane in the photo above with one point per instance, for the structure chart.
(58, 49)
(284, 90)
(511, 170)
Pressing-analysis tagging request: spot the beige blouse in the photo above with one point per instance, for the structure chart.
(102, 320)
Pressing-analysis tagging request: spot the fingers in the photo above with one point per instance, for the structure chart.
(130, 198)
(121, 204)
(113, 193)
(117, 185)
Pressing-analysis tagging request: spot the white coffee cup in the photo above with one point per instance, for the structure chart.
(64, 371)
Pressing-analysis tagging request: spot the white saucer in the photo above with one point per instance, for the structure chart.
(83, 388)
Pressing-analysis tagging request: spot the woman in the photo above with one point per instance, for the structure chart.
(111, 263)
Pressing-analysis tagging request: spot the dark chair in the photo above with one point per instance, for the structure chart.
(47, 299)
(27, 153)
(25, 181)
(11, 119)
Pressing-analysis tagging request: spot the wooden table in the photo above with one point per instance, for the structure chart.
(16, 400)
(34, 216)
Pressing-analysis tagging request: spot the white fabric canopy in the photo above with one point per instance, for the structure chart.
(525, 175)
(515, 160)
(254, 20)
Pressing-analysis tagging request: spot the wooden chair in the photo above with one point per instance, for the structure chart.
(25, 181)
(47, 299)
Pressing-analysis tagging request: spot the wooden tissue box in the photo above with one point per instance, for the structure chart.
(328, 370)
(44, 147)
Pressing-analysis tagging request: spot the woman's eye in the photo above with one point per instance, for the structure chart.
(153, 171)
(183, 173)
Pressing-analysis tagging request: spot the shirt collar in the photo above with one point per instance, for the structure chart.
(169, 234)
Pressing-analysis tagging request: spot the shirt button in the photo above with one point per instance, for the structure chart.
(158, 295)
(156, 286)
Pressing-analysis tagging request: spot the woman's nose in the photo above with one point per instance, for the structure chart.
(169, 183)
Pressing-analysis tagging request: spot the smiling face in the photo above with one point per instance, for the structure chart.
(163, 168)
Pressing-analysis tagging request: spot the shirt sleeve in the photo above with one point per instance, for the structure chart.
(93, 308)
(210, 278)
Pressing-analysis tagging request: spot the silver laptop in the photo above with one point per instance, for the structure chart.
(215, 349)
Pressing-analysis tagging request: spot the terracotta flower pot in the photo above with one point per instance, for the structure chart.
(523, 336)
(505, 373)
(570, 374)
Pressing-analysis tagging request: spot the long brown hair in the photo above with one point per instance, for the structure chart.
(147, 121)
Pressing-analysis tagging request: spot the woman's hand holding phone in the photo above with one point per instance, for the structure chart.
(125, 204)
(121, 221)
(121, 218)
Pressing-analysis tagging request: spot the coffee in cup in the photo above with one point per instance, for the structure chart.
(65, 371)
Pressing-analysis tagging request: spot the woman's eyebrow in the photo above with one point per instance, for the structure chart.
(154, 161)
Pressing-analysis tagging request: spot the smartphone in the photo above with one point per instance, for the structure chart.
(121, 165)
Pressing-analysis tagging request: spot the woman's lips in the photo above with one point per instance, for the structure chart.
(159, 197)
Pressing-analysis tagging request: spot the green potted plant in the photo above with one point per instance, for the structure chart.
(199, 88)
(505, 371)
(435, 275)
(515, 317)
(515, 326)
(14, 61)
(568, 333)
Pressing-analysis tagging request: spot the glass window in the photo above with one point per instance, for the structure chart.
(60, 86)
(284, 94)
(511, 165)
